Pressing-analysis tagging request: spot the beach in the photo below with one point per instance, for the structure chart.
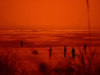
(41, 41)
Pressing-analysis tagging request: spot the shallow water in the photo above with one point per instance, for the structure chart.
(36, 39)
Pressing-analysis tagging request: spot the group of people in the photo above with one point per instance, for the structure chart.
(73, 51)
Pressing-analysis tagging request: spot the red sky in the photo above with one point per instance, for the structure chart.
(49, 14)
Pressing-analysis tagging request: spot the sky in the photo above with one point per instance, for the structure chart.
(49, 14)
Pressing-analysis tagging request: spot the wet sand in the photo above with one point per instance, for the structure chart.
(42, 40)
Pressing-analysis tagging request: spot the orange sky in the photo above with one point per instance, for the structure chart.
(49, 14)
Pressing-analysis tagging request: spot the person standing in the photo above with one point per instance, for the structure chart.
(85, 47)
(65, 51)
(50, 53)
(73, 53)
(21, 43)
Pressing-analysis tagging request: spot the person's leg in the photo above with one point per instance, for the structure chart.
(74, 56)
(85, 50)
(50, 55)
(65, 54)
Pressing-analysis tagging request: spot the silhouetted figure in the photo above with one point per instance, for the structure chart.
(21, 43)
(73, 53)
(65, 51)
(50, 52)
(85, 47)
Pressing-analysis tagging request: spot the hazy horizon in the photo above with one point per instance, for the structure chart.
(44, 30)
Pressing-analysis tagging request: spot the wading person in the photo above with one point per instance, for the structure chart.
(73, 53)
(85, 47)
(65, 51)
(21, 43)
(50, 53)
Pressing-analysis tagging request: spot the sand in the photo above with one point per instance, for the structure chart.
(41, 42)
